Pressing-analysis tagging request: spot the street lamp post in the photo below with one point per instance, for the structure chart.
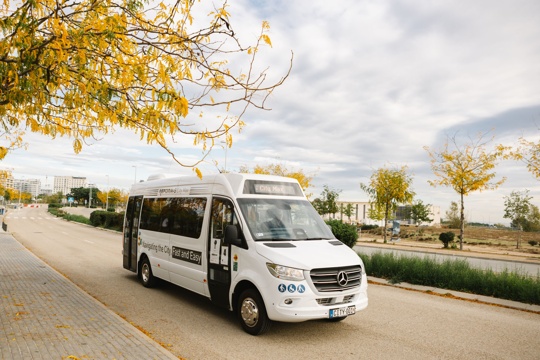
(135, 178)
(20, 193)
(107, 202)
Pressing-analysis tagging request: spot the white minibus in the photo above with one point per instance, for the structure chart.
(251, 243)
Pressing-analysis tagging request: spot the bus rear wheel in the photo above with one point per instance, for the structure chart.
(147, 278)
(252, 313)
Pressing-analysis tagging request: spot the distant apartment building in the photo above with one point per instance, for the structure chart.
(64, 184)
(6, 179)
(30, 186)
(359, 214)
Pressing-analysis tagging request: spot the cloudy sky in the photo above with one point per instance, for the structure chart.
(372, 83)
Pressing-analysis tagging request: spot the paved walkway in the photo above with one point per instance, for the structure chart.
(43, 315)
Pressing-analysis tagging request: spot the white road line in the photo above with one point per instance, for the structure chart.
(90, 242)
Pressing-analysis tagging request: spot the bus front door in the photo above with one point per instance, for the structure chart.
(131, 232)
(219, 272)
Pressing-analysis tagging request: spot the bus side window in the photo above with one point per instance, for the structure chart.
(222, 215)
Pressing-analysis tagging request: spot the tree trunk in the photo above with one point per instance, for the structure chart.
(462, 223)
(385, 222)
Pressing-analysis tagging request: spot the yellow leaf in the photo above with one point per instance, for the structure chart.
(77, 146)
(266, 39)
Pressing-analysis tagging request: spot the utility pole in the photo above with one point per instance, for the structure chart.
(107, 202)
(90, 198)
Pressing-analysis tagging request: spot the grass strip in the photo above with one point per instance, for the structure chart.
(454, 275)
(69, 217)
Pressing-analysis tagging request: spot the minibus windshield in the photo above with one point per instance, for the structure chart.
(283, 219)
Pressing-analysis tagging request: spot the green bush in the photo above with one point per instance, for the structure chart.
(55, 206)
(446, 238)
(454, 275)
(106, 219)
(368, 227)
(346, 233)
(533, 242)
(76, 218)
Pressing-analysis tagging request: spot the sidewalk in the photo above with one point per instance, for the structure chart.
(43, 315)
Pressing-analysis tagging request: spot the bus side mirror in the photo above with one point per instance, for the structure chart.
(231, 236)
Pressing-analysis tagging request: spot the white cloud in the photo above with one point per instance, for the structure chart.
(372, 83)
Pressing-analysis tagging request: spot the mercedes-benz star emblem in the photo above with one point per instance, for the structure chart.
(342, 278)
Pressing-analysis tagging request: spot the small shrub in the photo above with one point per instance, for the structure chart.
(346, 233)
(446, 238)
(106, 219)
(533, 242)
(368, 227)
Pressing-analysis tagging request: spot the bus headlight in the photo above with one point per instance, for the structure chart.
(285, 273)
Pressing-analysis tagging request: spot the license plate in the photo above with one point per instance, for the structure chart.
(341, 312)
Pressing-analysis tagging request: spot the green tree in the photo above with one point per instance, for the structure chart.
(516, 208)
(327, 202)
(387, 189)
(532, 222)
(82, 194)
(420, 212)
(347, 210)
(85, 68)
(453, 217)
(53, 198)
(466, 168)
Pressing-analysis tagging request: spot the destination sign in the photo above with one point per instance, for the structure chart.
(259, 187)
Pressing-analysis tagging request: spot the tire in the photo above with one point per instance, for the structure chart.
(145, 274)
(252, 313)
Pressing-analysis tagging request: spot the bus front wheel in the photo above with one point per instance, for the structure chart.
(147, 278)
(252, 313)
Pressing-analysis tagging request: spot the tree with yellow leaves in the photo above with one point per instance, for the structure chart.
(529, 152)
(466, 168)
(83, 69)
(387, 188)
(281, 170)
(116, 196)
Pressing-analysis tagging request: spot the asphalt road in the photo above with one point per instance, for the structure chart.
(398, 324)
